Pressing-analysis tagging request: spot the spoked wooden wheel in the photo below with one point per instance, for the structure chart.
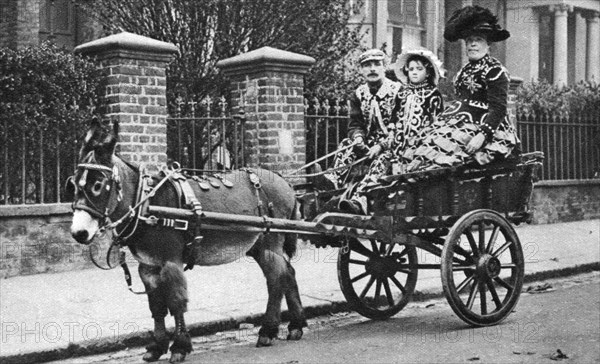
(482, 268)
(377, 279)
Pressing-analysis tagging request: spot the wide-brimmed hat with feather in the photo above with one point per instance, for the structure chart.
(401, 63)
(474, 20)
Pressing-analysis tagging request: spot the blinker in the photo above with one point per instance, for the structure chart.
(70, 189)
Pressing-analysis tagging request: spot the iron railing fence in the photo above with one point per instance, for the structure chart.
(326, 124)
(571, 144)
(36, 158)
(205, 135)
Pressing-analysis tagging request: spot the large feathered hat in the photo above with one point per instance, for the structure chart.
(474, 20)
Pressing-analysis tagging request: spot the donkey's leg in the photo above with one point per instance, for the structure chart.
(271, 264)
(292, 298)
(157, 299)
(172, 277)
(269, 254)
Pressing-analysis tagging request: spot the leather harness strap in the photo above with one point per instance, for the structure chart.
(255, 181)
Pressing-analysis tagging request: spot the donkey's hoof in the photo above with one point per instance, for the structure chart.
(156, 349)
(264, 341)
(151, 356)
(295, 334)
(177, 358)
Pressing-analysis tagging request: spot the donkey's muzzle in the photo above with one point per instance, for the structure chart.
(81, 236)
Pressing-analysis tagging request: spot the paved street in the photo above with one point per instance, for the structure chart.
(91, 311)
(558, 314)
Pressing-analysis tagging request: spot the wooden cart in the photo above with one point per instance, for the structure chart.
(462, 217)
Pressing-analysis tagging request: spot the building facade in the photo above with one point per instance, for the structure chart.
(554, 40)
(558, 41)
(397, 24)
(26, 22)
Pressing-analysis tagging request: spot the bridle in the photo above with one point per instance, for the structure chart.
(112, 183)
(94, 191)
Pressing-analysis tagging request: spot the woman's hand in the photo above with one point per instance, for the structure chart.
(359, 141)
(475, 144)
(374, 151)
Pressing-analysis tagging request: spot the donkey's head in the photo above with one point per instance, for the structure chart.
(95, 186)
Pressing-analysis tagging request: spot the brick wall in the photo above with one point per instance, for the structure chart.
(274, 109)
(136, 93)
(136, 97)
(36, 239)
(562, 201)
(515, 83)
(268, 84)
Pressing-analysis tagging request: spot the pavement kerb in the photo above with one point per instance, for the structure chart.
(100, 346)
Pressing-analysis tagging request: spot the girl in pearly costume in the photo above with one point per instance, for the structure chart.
(416, 106)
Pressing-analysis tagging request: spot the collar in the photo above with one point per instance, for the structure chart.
(374, 87)
(418, 86)
(481, 60)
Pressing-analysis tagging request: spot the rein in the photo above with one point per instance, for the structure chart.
(323, 157)
(326, 171)
(140, 202)
(295, 174)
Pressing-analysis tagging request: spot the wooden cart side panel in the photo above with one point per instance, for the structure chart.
(451, 195)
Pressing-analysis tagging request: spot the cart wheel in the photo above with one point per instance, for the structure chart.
(377, 279)
(482, 268)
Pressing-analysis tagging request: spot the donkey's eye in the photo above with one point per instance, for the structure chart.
(97, 188)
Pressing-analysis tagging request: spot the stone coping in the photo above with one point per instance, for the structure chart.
(267, 58)
(567, 182)
(126, 41)
(8, 211)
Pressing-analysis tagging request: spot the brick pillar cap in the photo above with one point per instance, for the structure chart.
(266, 59)
(515, 82)
(130, 43)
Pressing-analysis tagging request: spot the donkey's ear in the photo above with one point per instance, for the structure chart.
(95, 123)
(110, 142)
(116, 129)
(114, 138)
(94, 131)
(91, 137)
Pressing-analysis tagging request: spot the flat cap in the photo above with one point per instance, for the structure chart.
(371, 55)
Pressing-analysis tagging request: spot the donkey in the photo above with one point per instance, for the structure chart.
(105, 188)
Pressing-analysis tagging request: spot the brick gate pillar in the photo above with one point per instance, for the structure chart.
(269, 84)
(511, 106)
(136, 92)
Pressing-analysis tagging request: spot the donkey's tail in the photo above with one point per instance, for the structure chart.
(173, 279)
(291, 240)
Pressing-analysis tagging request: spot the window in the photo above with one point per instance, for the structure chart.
(57, 21)
(407, 22)
(396, 42)
(4, 11)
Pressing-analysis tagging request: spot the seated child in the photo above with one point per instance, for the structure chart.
(417, 105)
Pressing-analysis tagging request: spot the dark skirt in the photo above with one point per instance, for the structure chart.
(443, 143)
